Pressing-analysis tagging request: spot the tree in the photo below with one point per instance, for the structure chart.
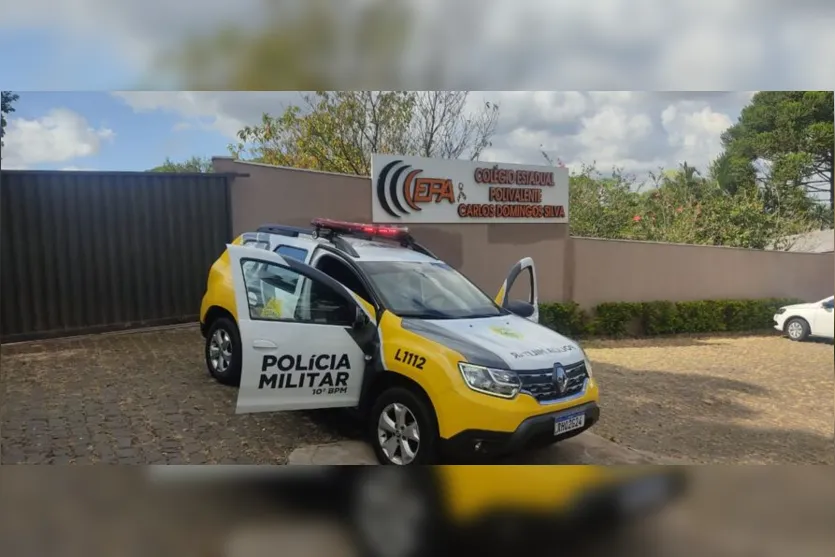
(678, 206)
(602, 206)
(194, 164)
(338, 131)
(7, 100)
(786, 140)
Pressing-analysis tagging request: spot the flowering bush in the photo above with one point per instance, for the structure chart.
(678, 207)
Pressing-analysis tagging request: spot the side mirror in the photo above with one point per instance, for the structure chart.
(520, 308)
(360, 319)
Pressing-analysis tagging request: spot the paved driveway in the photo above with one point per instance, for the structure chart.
(144, 398)
(730, 400)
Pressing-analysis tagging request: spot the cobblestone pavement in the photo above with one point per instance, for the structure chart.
(137, 398)
(146, 398)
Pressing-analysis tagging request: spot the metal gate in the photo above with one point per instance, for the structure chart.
(85, 252)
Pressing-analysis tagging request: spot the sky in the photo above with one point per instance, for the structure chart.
(54, 52)
(637, 131)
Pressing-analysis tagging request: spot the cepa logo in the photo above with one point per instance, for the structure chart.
(401, 197)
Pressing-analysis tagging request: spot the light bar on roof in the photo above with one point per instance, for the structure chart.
(343, 227)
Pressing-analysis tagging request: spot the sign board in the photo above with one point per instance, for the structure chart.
(435, 191)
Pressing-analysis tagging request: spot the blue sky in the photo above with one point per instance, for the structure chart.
(39, 58)
(140, 139)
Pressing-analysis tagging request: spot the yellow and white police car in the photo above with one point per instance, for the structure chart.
(349, 315)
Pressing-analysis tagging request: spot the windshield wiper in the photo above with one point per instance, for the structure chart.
(426, 314)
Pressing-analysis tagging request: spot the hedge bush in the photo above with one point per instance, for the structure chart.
(618, 319)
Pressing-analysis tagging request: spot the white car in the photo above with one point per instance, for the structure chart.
(801, 321)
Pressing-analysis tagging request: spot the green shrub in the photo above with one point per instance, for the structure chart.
(660, 318)
(565, 318)
(617, 319)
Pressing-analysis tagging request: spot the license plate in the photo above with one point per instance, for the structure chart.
(569, 423)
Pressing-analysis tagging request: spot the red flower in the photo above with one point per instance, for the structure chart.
(636, 218)
(679, 209)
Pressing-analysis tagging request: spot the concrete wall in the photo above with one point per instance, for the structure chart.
(609, 270)
(587, 271)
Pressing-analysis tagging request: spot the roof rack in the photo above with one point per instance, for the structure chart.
(289, 231)
(334, 229)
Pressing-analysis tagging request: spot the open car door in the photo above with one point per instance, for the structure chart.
(298, 351)
(529, 309)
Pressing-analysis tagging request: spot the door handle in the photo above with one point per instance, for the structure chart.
(261, 343)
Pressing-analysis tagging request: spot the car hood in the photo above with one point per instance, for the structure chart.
(505, 342)
(811, 305)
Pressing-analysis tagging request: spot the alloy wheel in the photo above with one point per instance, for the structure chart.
(398, 434)
(220, 351)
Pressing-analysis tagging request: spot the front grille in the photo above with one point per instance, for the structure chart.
(540, 384)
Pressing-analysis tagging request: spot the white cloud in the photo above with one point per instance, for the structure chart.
(694, 131)
(60, 136)
(635, 130)
(226, 112)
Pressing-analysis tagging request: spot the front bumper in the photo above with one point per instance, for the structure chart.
(779, 320)
(535, 431)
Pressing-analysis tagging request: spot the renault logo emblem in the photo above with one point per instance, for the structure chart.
(560, 378)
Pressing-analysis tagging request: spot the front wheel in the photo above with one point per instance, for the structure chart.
(403, 429)
(797, 329)
(223, 352)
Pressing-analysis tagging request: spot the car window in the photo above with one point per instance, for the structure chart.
(271, 295)
(299, 254)
(430, 290)
(256, 244)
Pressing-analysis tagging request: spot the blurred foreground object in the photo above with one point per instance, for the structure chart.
(398, 512)
(244, 512)
(306, 45)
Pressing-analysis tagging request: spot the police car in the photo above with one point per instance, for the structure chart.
(361, 316)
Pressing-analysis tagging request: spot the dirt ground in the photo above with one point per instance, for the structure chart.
(146, 398)
(730, 400)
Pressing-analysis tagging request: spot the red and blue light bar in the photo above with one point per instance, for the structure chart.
(376, 230)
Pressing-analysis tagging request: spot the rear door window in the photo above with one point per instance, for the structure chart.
(298, 254)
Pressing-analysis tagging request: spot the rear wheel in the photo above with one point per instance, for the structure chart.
(223, 352)
(797, 329)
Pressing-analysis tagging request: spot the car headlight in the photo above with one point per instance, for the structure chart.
(781, 311)
(496, 382)
(588, 364)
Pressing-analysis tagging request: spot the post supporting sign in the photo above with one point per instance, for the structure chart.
(441, 191)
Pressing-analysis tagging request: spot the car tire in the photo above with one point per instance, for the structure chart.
(408, 413)
(223, 352)
(797, 329)
(397, 513)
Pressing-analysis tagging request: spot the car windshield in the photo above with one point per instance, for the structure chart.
(428, 290)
